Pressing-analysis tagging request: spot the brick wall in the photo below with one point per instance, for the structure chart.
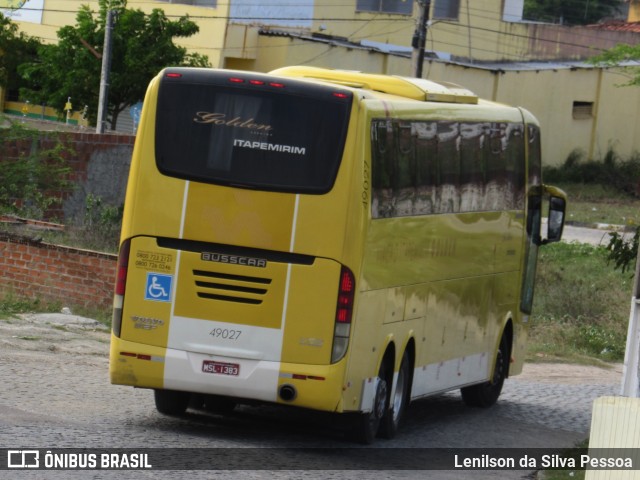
(99, 166)
(71, 276)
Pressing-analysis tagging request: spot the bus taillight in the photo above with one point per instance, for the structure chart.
(344, 312)
(121, 284)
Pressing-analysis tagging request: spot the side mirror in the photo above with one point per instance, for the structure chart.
(555, 224)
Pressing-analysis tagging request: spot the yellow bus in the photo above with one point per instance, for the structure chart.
(332, 240)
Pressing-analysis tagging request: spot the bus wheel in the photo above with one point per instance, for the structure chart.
(367, 424)
(486, 394)
(399, 401)
(171, 402)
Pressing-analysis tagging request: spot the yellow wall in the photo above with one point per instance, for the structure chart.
(548, 94)
(634, 11)
(208, 41)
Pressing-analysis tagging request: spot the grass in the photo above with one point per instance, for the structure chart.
(11, 305)
(581, 306)
(591, 203)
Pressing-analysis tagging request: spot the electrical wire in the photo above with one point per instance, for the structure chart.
(473, 15)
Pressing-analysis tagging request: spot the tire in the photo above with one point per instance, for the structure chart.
(366, 425)
(486, 394)
(171, 402)
(398, 403)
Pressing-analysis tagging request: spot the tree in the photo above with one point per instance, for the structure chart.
(15, 48)
(617, 56)
(142, 44)
(570, 12)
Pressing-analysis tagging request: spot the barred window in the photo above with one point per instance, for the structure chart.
(446, 9)
(197, 3)
(403, 7)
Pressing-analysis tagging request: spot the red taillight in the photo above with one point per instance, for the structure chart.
(174, 75)
(256, 83)
(123, 266)
(346, 294)
(344, 313)
(341, 95)
(121, 285)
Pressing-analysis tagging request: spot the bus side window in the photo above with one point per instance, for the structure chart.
(494, 153)
(426, 145)
(448, 167)
(405, 170)
(471, 167)
(381, 173)
(514, 166)
(535, 156)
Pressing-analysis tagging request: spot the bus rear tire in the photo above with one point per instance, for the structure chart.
(486, 394)
(171, 402)
(399, 401)
(366, 425)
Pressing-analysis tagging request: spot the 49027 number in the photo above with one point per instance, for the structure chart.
(225, 333)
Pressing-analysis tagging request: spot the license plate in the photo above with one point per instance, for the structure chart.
(221, 368)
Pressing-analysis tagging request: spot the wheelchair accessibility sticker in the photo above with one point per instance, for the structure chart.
(158, 287)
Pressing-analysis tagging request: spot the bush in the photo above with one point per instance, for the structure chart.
(620, 174)
(32, 182)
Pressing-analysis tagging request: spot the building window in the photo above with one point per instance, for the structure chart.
(403, 7)
(582, 110)
(197, 3)
(446, 9)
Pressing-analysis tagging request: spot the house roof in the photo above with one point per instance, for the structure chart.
(496, 67)
(617, 26)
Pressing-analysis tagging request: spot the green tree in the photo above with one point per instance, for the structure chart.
(570, 12)
(142, 44)
(15, 48)
(615, 58)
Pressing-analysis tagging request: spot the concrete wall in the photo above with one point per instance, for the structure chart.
(53, 273)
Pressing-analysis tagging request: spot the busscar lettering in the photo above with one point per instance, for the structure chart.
(221, 119)
(233, 259)
(273, 147)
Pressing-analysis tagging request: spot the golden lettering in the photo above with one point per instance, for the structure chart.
(220, 119)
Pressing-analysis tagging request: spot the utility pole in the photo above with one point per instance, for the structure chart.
(420, 38)
(631, 368)
(103, 101)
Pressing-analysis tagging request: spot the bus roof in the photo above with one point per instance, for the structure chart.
(412, 88)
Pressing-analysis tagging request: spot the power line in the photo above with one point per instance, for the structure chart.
(494, 34)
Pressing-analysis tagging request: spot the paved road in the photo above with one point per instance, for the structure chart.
(593, 236)
(56, 394)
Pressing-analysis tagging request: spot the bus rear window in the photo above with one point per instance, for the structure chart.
(216, 129)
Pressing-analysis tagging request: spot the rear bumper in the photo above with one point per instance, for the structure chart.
(318, 387)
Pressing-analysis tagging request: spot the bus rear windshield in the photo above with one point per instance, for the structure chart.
(214, 129)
